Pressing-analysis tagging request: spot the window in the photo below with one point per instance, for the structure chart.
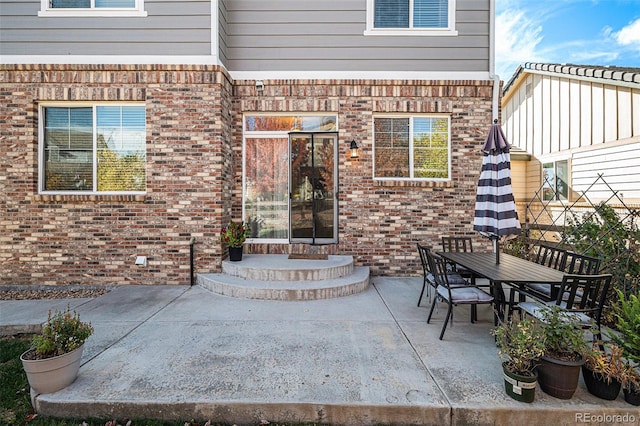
(412, 148)
(92, 8)
(93, 149)
(410, 17)
(555, 178)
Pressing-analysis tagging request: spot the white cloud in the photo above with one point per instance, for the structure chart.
(517, 39)
(629, 35)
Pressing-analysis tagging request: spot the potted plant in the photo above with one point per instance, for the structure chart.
(559, 368)
(54, 359)
(604, 370)
(627, 313)
(234, 235)
(520, 346)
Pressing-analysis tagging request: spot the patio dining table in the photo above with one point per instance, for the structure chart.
(511, 270)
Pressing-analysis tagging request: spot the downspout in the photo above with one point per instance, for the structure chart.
(495, 108)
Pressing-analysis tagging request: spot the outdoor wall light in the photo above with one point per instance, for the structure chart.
(354, 150)
(260, 86)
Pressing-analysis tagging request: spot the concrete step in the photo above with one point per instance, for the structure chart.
(278, 267)
(228, 285)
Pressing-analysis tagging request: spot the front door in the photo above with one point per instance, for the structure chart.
(313, 188)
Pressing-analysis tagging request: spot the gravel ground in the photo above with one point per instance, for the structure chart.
(26, 293)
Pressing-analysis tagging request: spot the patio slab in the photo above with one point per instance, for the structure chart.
(180, 353)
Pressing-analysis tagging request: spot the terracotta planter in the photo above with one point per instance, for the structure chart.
(235, 254)
(598, 386)
(559, 378)
(520, 388)
(52, 374)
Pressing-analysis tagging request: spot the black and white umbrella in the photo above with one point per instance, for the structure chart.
(496, 216)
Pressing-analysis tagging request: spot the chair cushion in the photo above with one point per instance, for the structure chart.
(540, 288)
(535, 309)
(465, 294)
(453, 278)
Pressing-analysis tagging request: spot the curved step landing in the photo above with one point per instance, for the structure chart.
(275, 277)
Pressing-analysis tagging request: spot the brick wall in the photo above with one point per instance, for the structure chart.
(93, 240)
(381, 222)
(194, 172)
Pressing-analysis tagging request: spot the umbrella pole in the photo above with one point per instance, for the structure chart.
(496, 249)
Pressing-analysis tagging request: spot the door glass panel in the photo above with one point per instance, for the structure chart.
(313, 188)
(266, 203)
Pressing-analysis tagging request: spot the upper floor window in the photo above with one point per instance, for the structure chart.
(411, 17)
(412, 148)
(92, 8)
(92, 149)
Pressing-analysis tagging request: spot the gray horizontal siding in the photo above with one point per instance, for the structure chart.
(222, 31)
(171, 28)
(327, 35)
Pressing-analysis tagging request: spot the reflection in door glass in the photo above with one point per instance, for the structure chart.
(313, 213)
(266, 187)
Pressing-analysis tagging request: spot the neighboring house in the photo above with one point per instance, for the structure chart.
(128, 127)
(575, 122)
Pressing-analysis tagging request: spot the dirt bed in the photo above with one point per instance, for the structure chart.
(50, 293)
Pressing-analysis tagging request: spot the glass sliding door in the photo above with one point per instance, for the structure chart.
(313, 211)
(266, 182)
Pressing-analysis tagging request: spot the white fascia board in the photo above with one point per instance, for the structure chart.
(109, 60)
(359, 75)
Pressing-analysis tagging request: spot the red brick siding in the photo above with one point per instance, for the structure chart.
(194, 172)
(93, 240)
(380, 222)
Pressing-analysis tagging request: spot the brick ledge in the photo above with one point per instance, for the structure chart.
(128, 198)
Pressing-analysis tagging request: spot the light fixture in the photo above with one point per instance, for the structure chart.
(354, 150)
(259, 86)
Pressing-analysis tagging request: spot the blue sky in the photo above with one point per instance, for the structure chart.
(586, 32)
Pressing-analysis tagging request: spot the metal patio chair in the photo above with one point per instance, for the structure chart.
(453, 294)
(582, 296)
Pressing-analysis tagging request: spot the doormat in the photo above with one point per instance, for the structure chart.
(314, 256)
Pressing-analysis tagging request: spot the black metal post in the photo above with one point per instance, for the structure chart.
(191, 274)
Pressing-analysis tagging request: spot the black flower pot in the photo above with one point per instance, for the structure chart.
(235, 254)
(598, 385)
(632, 395)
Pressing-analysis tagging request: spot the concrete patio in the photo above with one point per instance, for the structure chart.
(180, 353)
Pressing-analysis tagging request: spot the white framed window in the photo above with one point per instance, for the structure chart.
(106, 8)
(411, 17)
(555, 180)
(412, 147)
(92, 148)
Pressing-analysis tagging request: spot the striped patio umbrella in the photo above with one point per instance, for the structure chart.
(496, 216)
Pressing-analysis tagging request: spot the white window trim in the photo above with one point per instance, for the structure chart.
(554, 159)
(449, 31)
(411, 154)
(134, 12)
(41, 153)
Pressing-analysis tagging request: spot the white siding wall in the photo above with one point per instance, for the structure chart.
(594, 125)
(620, 168)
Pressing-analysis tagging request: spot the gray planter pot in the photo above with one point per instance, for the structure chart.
(52, 374)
